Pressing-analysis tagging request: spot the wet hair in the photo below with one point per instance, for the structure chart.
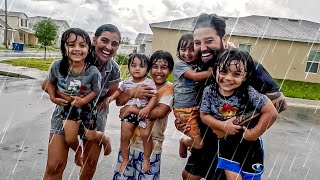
(211, 20)
(185, 41)
(64, 64)
(107, 28)
(240, 57)
(164, 55)
(145, 61)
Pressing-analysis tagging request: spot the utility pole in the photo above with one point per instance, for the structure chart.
(6, 25)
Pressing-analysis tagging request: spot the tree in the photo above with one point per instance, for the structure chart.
(46, 33)
(125, 40)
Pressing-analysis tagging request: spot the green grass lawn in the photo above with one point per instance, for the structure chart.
(31, 62)
(295, 89)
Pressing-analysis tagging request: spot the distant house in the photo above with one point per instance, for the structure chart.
(288, 48)
(19, 21)
(2, 33)
(144, 43)
(61, 25)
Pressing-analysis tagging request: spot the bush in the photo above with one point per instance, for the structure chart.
(122, 59)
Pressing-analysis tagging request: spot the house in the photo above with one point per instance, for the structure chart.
(10, 33)
(144, 43)
(288, 48)
(19, 21)
(61, 25)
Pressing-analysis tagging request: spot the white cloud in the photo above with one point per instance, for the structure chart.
(133, 17)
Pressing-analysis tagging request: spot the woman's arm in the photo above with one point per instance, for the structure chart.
(50, 88)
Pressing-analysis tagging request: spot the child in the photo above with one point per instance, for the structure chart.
(240, 154)
(139, 66)
(78, 82)
(185, 94)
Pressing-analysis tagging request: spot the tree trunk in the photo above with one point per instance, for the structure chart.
(45, 52)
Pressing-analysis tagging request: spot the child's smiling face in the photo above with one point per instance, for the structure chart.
(77, 48)
(230, 78)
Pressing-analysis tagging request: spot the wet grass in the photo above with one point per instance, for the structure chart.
(299, 89)
(38, 63)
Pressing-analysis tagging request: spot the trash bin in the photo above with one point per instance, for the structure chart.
(15, 46)
(21, 46)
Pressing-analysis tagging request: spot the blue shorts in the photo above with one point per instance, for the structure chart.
(133, 170)
(242, 157)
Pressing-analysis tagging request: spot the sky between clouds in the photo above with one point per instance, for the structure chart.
(134, 16)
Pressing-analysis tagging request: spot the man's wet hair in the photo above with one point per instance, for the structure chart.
(210, 20)
(164, 55)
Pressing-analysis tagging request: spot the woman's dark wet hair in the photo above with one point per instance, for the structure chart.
(211, 20)
(107, 28)
(143, 58)
(160, 54)
(185, 41)
(240, 57)
(64, 64)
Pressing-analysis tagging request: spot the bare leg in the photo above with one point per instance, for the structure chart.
(232, 175)
(127, 130)
(101, 138)
(91, 153)
(71, 129)
(147, 145)
(188, 176)
(57, 157)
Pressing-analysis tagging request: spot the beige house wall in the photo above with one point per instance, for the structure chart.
(282, 59)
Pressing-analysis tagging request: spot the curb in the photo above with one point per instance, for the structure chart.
(13, 74)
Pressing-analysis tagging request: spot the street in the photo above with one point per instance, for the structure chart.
(291, 145)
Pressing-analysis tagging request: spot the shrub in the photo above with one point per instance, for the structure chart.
(122, 59)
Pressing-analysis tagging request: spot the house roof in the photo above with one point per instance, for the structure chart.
(258, 26)
(12, 13)
(33, 20)
(143, 37)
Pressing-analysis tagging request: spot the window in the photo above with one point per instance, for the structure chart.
(26, 23)
(21, 22)
(245, 47)
(313, 62)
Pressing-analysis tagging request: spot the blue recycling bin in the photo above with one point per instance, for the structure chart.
(15, 46)
(21, 46)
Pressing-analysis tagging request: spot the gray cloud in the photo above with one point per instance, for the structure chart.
(134, 17)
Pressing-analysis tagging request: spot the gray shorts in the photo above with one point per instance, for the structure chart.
(57, 120)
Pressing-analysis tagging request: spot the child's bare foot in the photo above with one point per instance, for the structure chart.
(106, 145)
(123, 166)
(145, 165)
(78, 157)
(183, 149)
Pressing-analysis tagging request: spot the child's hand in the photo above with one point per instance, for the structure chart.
(249, 135)
(209, 71)
(59, 101)
(230, 128)
(220, 134)
(77, 102)
(144, 113)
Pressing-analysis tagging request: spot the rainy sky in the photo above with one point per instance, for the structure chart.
(133, 17)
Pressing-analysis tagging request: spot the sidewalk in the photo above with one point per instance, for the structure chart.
(31, 73)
